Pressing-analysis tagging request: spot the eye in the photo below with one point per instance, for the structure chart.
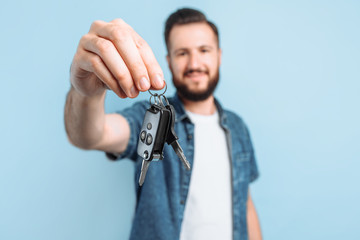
(183, 53)
(204, 50)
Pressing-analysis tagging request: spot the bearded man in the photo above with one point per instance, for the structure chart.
(210, 201)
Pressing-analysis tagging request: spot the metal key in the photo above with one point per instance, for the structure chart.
(144, 167)
(172, 138)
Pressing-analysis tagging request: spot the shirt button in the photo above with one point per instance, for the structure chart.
(182, 202)
(189, 136)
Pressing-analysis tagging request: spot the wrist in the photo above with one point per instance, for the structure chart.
(96, 97)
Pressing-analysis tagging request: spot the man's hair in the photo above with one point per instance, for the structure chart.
(185, 16)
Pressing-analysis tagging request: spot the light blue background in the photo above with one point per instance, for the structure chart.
(291, 69)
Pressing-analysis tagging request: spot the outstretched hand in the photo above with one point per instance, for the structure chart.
(112, 55)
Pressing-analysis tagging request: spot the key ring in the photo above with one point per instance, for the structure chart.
(155, 94)
(167, 102)
(157, 97)
(158, 101)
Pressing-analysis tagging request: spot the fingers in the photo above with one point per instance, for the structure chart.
(134, 52)
(114, 63)
(92, 63)
(152, 66)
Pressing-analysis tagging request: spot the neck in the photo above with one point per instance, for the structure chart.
(205, 107)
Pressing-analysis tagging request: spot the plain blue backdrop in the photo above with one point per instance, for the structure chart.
(291, 69)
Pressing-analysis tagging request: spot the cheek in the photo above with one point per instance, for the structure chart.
(213, 64)
(177, 68)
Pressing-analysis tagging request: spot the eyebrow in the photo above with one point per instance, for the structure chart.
(186, 49)
(180, 49)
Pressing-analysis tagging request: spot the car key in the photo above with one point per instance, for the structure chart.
(158, 128)
(172, 138)
(153, 135)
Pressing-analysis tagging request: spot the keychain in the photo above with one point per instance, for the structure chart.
(158, 128)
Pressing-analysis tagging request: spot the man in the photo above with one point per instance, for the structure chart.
(211, 201)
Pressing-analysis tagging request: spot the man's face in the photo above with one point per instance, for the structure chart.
(194, 59)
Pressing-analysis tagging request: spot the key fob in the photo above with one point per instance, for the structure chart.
(153, 133)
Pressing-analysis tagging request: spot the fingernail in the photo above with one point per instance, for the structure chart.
(159, 81)
(144, 83)
(133, 91)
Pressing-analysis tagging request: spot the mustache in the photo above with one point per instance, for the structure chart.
(198, 70)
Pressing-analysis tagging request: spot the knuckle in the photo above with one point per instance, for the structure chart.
(121, 76)
(118, 34)
(84, 39)
(103, 45)
(95, 62)
(95, 24)
(118, 21)
(141, 43)
(138, 67)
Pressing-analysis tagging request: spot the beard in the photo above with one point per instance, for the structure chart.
(196, 95)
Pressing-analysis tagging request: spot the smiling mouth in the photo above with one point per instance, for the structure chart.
(195, 73)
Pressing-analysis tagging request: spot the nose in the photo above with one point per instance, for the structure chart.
(194, 61)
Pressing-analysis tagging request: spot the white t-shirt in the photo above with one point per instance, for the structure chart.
(208, 209)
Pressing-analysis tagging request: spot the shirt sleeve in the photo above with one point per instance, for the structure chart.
(254, 172)
(134, 115)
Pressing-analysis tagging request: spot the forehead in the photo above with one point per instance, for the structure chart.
(191, 35)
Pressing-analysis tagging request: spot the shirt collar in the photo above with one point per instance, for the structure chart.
(181, 114)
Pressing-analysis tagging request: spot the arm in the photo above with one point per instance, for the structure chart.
(88, 127)
(111, 56)
(253, 223)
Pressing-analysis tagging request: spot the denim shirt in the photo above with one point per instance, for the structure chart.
(161, 202)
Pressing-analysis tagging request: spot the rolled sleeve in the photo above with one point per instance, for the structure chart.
(254, 171)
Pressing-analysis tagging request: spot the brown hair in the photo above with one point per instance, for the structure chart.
(185, 16)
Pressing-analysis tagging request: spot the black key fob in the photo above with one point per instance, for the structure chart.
(153, 133)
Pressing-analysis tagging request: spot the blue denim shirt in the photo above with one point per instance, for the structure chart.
(162, 199)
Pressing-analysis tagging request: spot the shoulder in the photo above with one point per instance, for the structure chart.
(229, 117)
(236, 123)
(234, 118)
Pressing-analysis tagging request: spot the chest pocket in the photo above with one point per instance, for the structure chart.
(241, 164)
